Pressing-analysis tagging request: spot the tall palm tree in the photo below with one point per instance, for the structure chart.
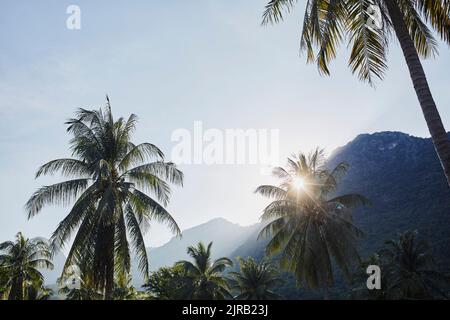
(255, 281)
(109, 175)
(208, 282)
(328, 22)
(410, 271)
(307, 224)
(20, 261)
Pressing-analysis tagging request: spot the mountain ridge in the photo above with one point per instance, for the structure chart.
(398, 172)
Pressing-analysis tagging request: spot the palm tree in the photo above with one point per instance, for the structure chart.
(255, 281)
(109, 175)
(328, 22)
(308, 225)
(20, 261)
(410, 271)
(208, 282)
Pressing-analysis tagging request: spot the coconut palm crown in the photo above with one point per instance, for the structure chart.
(309, 225)
(255, 281)
(206, 275)
(19, 263)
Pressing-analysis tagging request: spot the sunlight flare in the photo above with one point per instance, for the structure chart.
(298, 183)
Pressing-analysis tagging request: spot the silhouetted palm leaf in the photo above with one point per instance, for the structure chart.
(255, 281)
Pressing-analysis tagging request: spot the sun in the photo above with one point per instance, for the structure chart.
(298, 183)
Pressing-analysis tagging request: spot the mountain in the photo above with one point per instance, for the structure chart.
(403, 178)
(399, 173)
(226, 237)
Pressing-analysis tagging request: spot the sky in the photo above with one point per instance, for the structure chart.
(173, 63)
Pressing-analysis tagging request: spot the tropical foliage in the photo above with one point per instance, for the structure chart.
(39, 292)
(309, 225)
(77, 284)
(359, 281)
(369, 26)
(109, 177)
(206, 275)
(3, 283)
(410, 269)
(255, 281)
(19, 264)
(170, 283)
(123, 289)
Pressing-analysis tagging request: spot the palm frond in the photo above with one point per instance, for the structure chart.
(368, 54)
(273, 12)
(60, 193)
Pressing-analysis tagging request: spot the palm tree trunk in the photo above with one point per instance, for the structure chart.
(438, 134)
(109, 285)
(16, 292)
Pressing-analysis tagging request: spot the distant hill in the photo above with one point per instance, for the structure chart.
(226, 237)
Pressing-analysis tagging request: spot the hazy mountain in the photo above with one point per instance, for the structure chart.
(226, 237)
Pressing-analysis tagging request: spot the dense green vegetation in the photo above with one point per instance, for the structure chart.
(409, 271)
(169, 283)
(19, 263)
(255, 281)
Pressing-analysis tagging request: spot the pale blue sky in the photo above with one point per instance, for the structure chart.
(172, 63)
